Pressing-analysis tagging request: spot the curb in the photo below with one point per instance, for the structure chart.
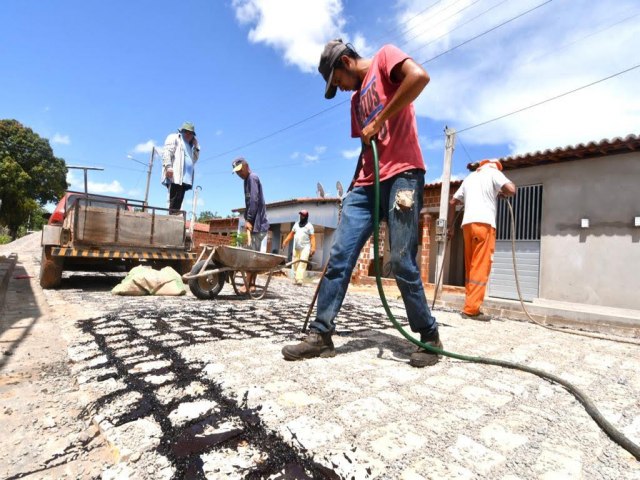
(7, 264)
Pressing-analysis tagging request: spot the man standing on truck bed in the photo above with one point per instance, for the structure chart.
(179, 157)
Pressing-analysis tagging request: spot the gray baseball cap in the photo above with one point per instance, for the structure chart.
(333, 50)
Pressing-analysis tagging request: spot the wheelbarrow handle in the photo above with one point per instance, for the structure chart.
(288, 264)
(206, 273)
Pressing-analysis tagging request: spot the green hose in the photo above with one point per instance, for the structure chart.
(591, 409)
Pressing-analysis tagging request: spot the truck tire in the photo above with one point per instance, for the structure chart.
(50, 269)
(183, 266)
(206, 288)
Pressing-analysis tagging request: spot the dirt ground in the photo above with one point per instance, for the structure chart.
(45, 430)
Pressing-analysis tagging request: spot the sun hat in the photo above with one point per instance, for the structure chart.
(189, 127)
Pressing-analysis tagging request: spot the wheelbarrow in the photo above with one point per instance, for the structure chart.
(217, 264)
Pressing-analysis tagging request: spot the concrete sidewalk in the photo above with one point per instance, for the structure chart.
(581, 316)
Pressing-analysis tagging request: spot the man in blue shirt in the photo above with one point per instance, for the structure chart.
(256, 224)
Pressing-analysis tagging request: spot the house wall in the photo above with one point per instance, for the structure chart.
(323, 216)
(427, 246)
(598, 265)
(200, 238)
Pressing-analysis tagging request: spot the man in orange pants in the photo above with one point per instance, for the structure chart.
(479, 193)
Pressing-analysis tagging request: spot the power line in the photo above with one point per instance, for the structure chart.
(288, 127)
(406, 22)
(550, 99)
(464, 148)
(441, 21)
(462, 25)
(487, 31)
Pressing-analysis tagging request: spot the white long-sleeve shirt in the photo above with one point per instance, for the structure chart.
(173, 157)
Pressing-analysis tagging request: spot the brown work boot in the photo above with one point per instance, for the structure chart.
(425, 358)
(481, 317)
(315, 345)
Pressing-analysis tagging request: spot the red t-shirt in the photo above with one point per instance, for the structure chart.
(398, 146)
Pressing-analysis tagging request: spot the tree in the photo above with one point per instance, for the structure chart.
(207, 215)
(32, 175)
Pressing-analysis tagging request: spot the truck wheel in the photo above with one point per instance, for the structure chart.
(183, 266)
(206, 288)
(50, 269)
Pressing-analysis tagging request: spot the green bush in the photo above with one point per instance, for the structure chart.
(239, 239)
(4, 239)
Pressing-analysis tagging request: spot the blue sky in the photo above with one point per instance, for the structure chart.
(105, 81)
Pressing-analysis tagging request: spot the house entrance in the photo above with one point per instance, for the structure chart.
(527, 209)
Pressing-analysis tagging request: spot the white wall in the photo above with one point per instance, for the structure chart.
(599, 265)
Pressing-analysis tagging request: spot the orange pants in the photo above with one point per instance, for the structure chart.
(479, 245)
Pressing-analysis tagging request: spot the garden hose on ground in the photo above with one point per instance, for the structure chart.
(591, 409)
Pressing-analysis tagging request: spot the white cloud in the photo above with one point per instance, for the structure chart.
(76, 183)
(145, 147)
(61, 139)
(560, 47)
(351, 154)
(297, 29)
(428, 143)
(313, 158)
(218, 133)
(556, 48)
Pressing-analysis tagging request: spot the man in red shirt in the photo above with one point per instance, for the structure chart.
(385, 87)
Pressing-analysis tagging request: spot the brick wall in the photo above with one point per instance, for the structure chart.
(200, 238)
(223, 225)
(364, 266)
(431, 199)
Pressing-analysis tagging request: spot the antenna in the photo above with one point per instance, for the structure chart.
(320, 190)
(339, 188)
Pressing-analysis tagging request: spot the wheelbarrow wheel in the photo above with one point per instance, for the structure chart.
(206, 287)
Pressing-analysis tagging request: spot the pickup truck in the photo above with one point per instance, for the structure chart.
(102, 233)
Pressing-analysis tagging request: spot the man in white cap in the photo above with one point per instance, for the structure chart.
(304, 245)
(256, 224)
(179, 157)
(479, 193)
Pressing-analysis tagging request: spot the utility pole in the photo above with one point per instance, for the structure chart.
(149, 168)
(146, 193)
(441, 222)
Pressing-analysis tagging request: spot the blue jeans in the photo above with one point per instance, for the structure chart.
(355, 228)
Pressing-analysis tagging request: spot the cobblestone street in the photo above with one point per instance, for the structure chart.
(184, 388)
